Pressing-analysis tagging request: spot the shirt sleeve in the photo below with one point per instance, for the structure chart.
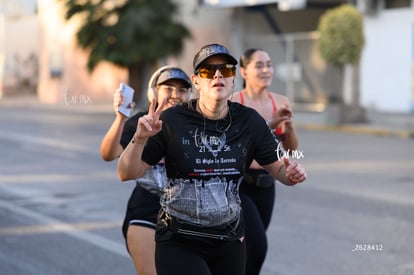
(129, 129)
(266, 145)
(155, 147)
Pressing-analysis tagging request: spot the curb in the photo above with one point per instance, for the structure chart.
(356, 130)
(33, 103)
(106, 108)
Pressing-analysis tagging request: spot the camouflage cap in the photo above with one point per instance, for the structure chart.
(209, 51)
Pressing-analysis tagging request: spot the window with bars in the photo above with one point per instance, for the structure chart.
(397, 4)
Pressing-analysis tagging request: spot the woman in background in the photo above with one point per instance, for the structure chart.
(258, 190)
(172, 86)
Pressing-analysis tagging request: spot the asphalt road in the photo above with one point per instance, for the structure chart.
(61, 206)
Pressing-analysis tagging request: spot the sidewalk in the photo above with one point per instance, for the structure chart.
(383, 124)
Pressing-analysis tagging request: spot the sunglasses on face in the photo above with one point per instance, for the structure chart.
(208, 71)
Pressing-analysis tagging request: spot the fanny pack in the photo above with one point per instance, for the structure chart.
(230, 231)
(259, 180)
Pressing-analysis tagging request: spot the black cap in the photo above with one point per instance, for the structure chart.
(173, 73)
(209, 51)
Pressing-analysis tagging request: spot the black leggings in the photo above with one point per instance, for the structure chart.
(257, 204)
(179, 255)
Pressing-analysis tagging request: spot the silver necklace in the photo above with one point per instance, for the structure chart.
(222, 125)
(214, 144)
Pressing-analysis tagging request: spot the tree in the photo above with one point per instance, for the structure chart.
(129, 33)
(342, 41)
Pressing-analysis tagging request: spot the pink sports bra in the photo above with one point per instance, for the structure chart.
(278, 130)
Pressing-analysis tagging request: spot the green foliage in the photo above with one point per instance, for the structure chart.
(127, 32)
(341, 35)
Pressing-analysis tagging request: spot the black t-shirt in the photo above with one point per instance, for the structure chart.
(205, 160)
(154, 178)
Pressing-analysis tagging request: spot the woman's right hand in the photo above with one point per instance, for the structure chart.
(118, 101)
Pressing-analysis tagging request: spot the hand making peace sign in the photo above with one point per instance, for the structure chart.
(150, 124)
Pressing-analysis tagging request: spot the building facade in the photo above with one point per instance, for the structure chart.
(19, 47)
(387, 65)
(289, 35)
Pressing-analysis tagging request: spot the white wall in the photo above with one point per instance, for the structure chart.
(21, 49)
(19, 46)
(387, 61)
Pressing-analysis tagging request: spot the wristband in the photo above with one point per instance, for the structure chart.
(277, 131)
(268, 125)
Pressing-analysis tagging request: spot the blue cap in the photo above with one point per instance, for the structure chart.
(173, 73)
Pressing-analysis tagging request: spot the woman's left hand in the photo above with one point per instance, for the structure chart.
(294, 172)
(283, 114)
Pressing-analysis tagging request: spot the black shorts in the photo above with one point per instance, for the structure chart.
(142, 209)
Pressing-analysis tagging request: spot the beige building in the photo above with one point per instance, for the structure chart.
(63, 74)
(300, 73)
